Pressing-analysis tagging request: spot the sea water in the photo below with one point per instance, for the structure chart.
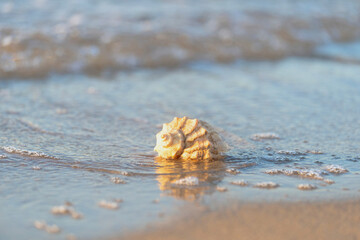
(85, 87)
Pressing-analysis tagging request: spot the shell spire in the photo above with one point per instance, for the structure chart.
(189, 139)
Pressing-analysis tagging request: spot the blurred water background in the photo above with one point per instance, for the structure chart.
(40, 37)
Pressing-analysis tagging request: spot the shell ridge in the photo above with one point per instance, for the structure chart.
(190, 126)
(198, 133)
(182, 122)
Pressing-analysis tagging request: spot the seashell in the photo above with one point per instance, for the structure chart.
(189, 139)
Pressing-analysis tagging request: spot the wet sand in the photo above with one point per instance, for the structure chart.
(303, 220)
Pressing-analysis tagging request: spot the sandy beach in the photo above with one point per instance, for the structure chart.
(283, 220)
(86, 85)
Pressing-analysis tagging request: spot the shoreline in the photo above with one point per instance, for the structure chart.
(278, 220)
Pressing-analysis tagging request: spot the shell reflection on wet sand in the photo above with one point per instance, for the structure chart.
(189, 179)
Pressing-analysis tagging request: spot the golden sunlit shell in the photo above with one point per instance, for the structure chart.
(189, 139)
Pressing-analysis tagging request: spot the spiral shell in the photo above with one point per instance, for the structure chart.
(189, 139)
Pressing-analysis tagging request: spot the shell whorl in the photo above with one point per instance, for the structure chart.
(189, 139)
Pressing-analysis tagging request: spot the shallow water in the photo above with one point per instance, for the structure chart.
(86, 85)
(90, 130)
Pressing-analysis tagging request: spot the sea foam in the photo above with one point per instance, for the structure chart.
(13, 150)
(335, 169)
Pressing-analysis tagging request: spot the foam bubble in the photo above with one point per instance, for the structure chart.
(241, 182)
(117, 180)
(6, 41)
(266, 185)
(233, 171)
(329, 181)
(108, 204)
(288, 152)
(66, 210)
(7, 7)
(10, 149)
(306, 187)
(190, 181)
(221, 189)
(42, 225)
(276, 159)
(305, 173)
(75, 20)
(61, 110)
(71, 237)
(125, 173)
(92, 90)
(264, 136)
(315, 152)
(335, 169)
